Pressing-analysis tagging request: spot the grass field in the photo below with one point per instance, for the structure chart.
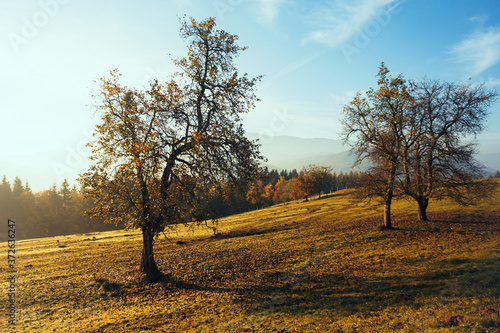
(317, 266)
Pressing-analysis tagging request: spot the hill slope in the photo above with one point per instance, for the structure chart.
(322, 265)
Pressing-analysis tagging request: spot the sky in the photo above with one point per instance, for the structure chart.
(314, 55)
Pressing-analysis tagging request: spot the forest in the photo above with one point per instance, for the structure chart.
(56, 211)
(61, 209)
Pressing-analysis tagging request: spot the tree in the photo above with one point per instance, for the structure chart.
(159, 152)
(260, 195)
(281, 191)
(312, 180)
(413, 135)
(374, 126)
(269, 194)
(304, 186)
(27, 214)
(321, 177)
(440, 162)
(65, 209)
(17, 187)
(5, 189)
(256, 194)
(6, 199)
(27, 187)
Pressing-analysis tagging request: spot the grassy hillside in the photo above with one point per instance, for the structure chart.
(322, 266)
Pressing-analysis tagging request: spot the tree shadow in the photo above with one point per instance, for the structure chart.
(458, 222)
(458, 218)
(349, 295)
(237, 233)
(334, 195)
(301, 293)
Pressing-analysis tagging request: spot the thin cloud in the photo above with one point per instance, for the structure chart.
(268, 10)
(479, 51)
(292, 67)
(481, 19)
(492, 82)
(343, 19)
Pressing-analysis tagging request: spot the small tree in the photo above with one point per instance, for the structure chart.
(159, 152)
(304, 186)
(322, 178)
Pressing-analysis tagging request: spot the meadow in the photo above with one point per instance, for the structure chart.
(318, 266)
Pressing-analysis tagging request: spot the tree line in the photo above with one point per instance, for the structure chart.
(61, 209)
(53, 212)
(313, 180)
(273, 187)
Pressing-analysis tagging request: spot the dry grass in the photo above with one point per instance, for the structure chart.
(322, 266)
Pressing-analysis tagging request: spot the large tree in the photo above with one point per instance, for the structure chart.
(441, 161)
(159, 152)
(375, 126)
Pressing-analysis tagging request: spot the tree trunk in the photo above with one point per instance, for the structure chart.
(387, 213)
(422, 208)
(148, 264)
(388, 199)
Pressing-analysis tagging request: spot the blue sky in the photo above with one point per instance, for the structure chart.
(315, 56)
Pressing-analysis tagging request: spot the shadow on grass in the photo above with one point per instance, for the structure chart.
(457, 222)
(465, 217)
(353, 295)
(334, 195)
(283, 289)
(300, 293)
(237, 233)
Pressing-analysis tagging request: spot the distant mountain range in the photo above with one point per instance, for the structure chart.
(283, 152)
(289, 152)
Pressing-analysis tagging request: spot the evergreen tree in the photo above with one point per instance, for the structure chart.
(17, 187)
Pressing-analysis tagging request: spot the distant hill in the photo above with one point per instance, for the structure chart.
(289, 152)
(490, 161)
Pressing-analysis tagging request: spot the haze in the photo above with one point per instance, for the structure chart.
(315, 56)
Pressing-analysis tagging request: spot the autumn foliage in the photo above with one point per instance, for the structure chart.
(159, 154)
(311, 181)
(412, 135)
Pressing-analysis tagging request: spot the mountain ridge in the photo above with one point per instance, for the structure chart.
(291, 152)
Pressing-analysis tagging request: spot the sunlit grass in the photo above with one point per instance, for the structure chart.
(322, 265)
